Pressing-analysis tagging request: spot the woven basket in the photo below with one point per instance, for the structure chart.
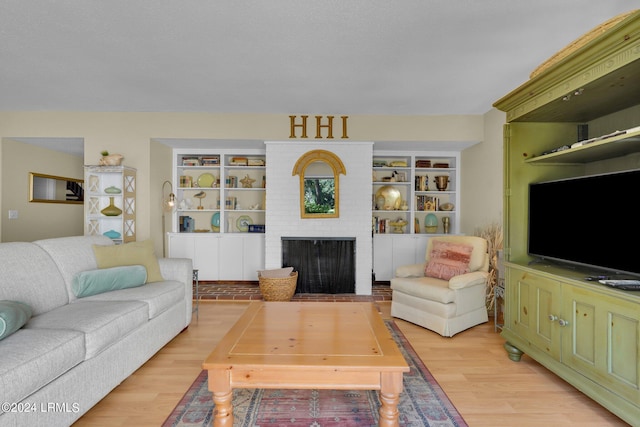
(278, 288)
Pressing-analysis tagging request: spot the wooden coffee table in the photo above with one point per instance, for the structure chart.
(307, 345)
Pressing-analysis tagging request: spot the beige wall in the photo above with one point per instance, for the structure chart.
(36, 220)
(133, 135)
(482, 177)
(160, 171)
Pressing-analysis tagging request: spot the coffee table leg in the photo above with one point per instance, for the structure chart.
(220, 386)
(390, 388)
(223, 411)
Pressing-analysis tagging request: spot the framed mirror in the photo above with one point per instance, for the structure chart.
(319, 172)
(55, 189)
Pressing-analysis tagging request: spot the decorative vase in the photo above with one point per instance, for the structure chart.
(431, 223)
(112, 209)
(445, 224)
(391, 196)
(442, 181)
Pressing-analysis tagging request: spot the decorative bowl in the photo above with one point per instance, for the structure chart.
(398, 225)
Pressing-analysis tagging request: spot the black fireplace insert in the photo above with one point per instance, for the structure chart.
(324, 264)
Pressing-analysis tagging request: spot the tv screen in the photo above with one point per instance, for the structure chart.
(591, 221)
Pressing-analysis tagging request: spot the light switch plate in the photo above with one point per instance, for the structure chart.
(13, 214)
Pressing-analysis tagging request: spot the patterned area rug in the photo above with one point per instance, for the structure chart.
(422, 403)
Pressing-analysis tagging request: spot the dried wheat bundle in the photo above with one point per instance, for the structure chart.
(494, 236)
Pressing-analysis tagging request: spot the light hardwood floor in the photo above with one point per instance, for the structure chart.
(473, 369)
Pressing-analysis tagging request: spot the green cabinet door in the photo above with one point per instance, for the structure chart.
(602, 340)
(534, 310)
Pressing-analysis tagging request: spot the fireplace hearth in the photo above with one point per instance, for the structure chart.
(324, 264)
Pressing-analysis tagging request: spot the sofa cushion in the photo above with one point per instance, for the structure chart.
(159, 296)
(92, 282)
(438, 289)
(41, 288)
(73, 255)
(102, 322)
(134, 253)
(32, 358)
(448, 259)
(13, 316)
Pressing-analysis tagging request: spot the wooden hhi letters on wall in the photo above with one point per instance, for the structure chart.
(319, 127)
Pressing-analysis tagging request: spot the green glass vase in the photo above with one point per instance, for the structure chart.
(112, 209)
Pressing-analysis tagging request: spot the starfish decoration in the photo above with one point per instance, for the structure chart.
(247, 182)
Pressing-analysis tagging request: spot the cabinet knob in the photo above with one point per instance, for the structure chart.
(563, 322)
(553, 318)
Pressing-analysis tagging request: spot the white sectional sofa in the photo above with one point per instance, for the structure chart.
(73, 351)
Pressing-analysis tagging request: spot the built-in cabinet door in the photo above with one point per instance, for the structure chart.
(534, 310)
(602, 339)
(383, 257)
(241, 255)
(230, 258)
(236, 256)
(253, 255)
(409, 250)
(202, 250)
(390, 251)
(206, 252)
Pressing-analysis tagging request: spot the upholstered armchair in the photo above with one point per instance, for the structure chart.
(447, 292)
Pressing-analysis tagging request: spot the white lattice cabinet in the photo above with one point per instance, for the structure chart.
(108, 187)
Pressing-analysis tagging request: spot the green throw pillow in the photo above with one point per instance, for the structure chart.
(134, 253)
(13, 316)
(92, 282)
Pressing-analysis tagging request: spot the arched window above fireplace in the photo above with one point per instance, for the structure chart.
(319, 172)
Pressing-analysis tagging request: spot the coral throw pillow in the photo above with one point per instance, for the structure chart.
(448, 259)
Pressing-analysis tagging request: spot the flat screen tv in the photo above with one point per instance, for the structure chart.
(591, 221)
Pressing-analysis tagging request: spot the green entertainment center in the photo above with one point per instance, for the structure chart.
(583, 331)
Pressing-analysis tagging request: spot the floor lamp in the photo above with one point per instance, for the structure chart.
(167, 206)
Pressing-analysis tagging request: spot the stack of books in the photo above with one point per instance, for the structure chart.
(190, 161)
(210, 160)
(422, 183)
(427, 203)
(238, 161)
(231, 182)
(230, 203)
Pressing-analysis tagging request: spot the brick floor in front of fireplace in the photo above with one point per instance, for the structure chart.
(251, 291)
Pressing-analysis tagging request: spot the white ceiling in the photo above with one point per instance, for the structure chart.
(424, 57)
